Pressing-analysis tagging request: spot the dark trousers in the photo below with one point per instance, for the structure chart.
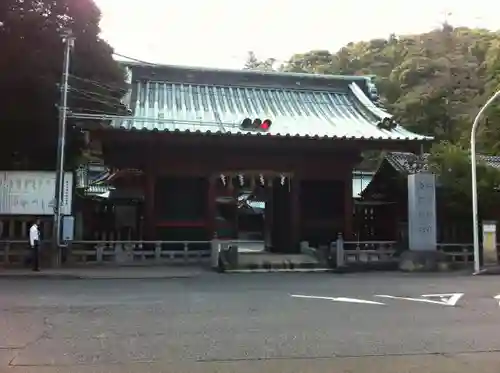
(35, 256)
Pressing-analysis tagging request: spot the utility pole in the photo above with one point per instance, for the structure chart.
(68, 40)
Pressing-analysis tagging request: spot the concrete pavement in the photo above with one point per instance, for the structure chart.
(250, 323)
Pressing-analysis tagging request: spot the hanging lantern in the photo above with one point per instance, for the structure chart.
(241, 179)
(282, 179)
(223, 179)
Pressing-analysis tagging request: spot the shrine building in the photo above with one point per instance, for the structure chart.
(236, 154)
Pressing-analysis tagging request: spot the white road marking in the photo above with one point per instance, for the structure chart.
(450, 299)
(337, 299)
(497, 297)
(446, 299)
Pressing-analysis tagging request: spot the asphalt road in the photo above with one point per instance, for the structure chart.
(250, 323)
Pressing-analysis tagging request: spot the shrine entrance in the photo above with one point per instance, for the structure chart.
(255, 208)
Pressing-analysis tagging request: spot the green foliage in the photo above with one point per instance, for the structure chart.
(252, 63)
(30, 74)
(452, 163)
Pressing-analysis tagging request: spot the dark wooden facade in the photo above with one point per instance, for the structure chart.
(314, 204)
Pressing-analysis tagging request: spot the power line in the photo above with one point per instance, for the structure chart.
(137, 60)
(276, 60)
(108, 87)
(94, 97)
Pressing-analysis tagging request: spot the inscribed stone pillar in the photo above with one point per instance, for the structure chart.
(422, 212)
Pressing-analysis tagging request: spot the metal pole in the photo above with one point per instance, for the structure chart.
(63, 109)
(475, 222)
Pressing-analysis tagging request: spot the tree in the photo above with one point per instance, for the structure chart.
(452, 164)
(30, 75)
(253, 63)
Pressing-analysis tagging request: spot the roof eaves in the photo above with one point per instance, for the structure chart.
(380, 113)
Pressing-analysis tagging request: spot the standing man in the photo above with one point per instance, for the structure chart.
(35, 245)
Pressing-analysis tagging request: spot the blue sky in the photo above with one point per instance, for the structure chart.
(218, 33)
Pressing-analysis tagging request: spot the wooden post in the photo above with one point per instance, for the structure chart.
(295, 214)
(149, 213)
(348, 205)
(211, 206)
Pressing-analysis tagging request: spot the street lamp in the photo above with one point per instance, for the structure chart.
(475, 228)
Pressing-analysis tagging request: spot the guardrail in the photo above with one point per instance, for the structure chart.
(368, 251)
(120, 252)
(457, 253)
(17, 251)
(348, 252)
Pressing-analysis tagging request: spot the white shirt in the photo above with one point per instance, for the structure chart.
(34, 234)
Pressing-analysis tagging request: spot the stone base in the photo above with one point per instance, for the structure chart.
(421, 261)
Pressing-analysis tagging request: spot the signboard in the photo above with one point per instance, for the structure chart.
(422, 212)
(33, 192)
(490, 254)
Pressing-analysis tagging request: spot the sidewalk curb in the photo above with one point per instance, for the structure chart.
(98, 276)
(70, 277)
(279, 270)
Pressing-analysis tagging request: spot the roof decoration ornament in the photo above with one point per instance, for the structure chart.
(415, 164)
(388, 123)
(373, 91)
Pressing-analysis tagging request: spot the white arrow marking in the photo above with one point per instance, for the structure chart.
(446, 299)
(338, 299)
(497, 297)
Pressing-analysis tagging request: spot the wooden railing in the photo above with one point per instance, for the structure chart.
(119, 252)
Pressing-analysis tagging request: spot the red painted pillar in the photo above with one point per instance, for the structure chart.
(348, 207)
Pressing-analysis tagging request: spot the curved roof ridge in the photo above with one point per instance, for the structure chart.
(253, 72)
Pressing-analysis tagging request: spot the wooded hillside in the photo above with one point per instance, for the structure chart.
(433, 82)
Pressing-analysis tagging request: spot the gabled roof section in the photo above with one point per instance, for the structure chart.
(299, 105)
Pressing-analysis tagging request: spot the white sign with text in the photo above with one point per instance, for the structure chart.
(422, 212)
(33, 192)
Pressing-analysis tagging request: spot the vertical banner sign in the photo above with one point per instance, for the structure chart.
(422, 212)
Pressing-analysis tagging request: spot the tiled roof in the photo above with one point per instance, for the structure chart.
(348, 114)
(402, 162)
